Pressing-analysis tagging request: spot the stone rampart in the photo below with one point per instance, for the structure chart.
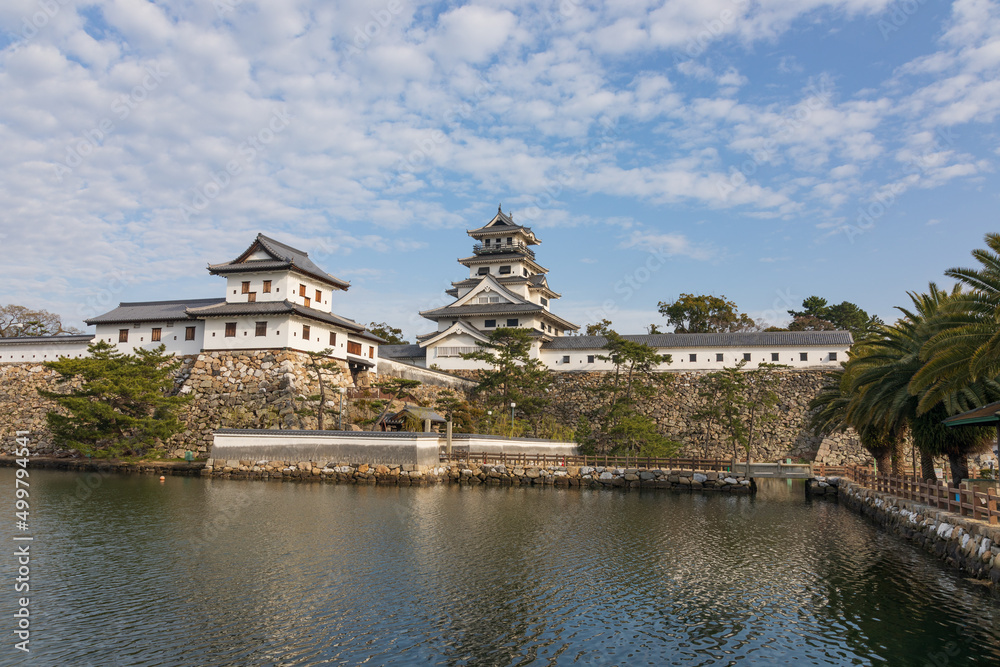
(574, 395)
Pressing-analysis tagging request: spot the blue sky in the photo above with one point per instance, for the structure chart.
(765, 150)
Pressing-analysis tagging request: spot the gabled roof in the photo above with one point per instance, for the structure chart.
(282, 258)
(489, 282)
(457, 328)
(740, 339)
(504, 224)
(152, 311)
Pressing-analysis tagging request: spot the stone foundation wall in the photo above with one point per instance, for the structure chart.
(496, 475)
(971, 546)
(262, 389)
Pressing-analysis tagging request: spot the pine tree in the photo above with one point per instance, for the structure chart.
(123, 406)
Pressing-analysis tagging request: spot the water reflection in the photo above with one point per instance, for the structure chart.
(215, 572)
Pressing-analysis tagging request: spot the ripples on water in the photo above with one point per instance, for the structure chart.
(212, 572)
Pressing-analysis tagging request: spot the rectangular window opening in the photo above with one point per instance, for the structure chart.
(246, 287)
(188, 333)
(305, 332)
(260, 329)
(230, 329)
(512, 322)
(123, 335)
(156, 335)
(266, 289)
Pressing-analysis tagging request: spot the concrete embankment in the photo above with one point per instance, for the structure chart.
(967, 544)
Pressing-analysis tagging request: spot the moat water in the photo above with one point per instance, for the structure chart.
(221, 572)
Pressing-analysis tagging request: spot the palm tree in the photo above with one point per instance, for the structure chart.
(836, 409)
(885, 367)
(966, 348)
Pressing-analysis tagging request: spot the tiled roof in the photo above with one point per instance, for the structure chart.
(483, 309)
(988, 414)
(416, 412)
(152, 311)
(284, 257)
(401, 351)
(501, 223)
(274, 308)
(35, 340)
(741, 339)
(496, 309)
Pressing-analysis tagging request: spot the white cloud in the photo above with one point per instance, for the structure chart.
(669, 244)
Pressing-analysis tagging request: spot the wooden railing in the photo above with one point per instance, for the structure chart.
(644, 462)
(937, 494)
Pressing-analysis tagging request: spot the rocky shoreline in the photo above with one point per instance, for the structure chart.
(969, 545)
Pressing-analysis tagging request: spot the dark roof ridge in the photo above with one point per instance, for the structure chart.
(169, 301)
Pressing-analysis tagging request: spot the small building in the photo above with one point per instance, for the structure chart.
(39, 349)
(276, 298)
(412, 413)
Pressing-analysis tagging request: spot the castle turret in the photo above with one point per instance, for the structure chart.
(506, 287)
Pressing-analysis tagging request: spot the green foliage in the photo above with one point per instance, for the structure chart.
(628, 392)
(745, 401)
(817, 315)
(325, 368)
(465, 416)
(513, 376)
(391, 335)
(705, 314)
(600, 328)
(123, 406)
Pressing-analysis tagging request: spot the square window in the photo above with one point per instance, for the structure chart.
(833, 356)
(260, 329)
(230, 329)
(246, 287)
(803, 356)
(512, 322)
(251, 297)
(319, 296)
(157, 333)
(746, 356)
(266, 289)
(545, 301)
(123, 335)
(590, 358)
(188, 333)
(305, 332)
(333, 338)
(490, 324)
(774, 356)
(718, 356)
(692, 357)
(353, 348)
(566, 359)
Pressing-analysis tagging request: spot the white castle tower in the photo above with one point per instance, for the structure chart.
(506, 287)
